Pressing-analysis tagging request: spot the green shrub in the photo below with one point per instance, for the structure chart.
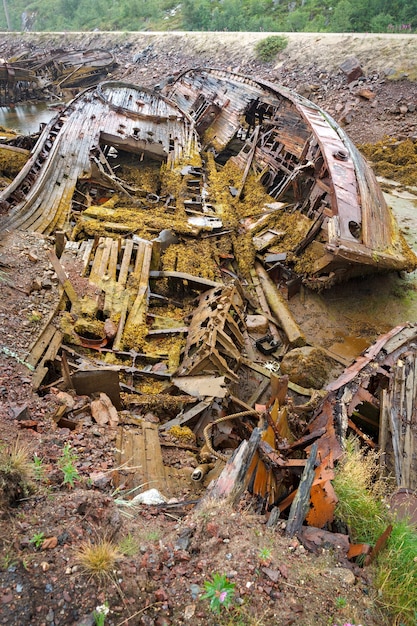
(268, 48)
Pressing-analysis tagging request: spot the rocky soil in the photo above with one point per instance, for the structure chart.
(166, 553)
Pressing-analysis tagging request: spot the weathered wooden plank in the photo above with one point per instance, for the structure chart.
(301, 503)
(187, 415)
(124, 267)
(233, 479)
(286, 320)
(41, 345)
(49, 355)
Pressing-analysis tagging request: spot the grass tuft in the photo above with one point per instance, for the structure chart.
(358, 489)
(16, 472)
(98, 559)
(129, 545)
(361, 507)
(396, 576)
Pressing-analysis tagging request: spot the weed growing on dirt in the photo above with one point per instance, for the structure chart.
(219, 591)
(340, 602)
(8, 560)
(100, 614)
(66, 464)
(264, 556)
(267, 49)
(129, 545)
(34, 318)
(38, 539)
(38, 469)
(97, 559)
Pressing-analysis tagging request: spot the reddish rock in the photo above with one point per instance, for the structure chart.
(161, 595)
(49, 543)
(212, 529)
(352, 68)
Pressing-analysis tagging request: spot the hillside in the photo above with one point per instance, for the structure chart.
(310, 64)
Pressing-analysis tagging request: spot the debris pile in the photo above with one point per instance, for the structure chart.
(183, 224)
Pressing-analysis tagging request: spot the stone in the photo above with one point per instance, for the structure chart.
(257, 324)
(32, 256)
(342, 574)
(367, 94)
(352, 68)
(307, 366)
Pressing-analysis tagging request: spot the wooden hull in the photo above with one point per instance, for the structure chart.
(305, 160)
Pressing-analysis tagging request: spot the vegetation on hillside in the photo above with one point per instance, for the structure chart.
(362, 507)
(211, 15)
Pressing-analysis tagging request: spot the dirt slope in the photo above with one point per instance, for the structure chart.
(310, 65)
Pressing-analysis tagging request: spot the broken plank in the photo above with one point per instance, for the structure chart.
(139, 452)
(196, 281)
(301, 503)
(232, 481)
(280, 309)
(183, 418)
(49, 355)
(41, 345)
(62, 277)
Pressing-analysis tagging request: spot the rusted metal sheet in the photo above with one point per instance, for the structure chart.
(377, 394)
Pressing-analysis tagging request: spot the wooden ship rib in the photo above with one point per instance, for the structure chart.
(305, 160)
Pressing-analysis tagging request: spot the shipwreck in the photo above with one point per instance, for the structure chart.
(47, 75)
(182, 221)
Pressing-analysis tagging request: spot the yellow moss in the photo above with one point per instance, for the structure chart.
(11, 162)
(183, 433)
(193, 257)
(393, 159)
(134, 337)
(66, 325)
(150, 386)
(159, 402)
(144, 175)
(89, 328)
(244, 253)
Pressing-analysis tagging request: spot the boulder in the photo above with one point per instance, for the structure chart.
(307, 366)
(352, 68)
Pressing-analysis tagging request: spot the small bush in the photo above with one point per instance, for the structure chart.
(268, 48)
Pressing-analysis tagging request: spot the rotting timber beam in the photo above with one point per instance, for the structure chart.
(278, 306)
